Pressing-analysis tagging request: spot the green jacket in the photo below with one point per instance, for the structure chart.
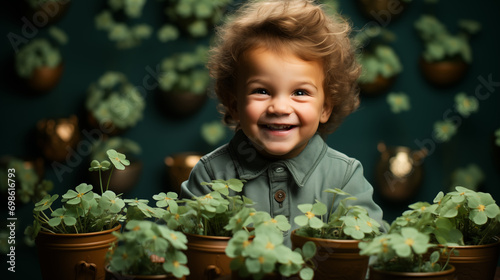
(278, 186)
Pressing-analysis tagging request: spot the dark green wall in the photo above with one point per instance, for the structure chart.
(89, 54)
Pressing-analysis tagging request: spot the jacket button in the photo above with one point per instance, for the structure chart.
(279, 169)
(279, 196)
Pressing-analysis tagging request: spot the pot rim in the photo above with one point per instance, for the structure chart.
(116, 228)
(497, 243)
(349, 241)
(437, 273)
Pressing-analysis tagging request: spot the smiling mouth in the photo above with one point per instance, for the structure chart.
(278, 127)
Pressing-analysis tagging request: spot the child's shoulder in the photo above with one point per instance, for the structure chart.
(332, 154)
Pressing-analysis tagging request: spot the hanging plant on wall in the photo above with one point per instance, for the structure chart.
(380, 63)
(125, 35)
(195, 17)
(114, 104)
(183, 83)
(39, 63)
(446, 56)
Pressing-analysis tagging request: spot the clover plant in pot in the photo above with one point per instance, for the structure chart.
(39, 63)
(203, 219)
(469, 223)
(380, 63)
(73, 239)
(337, 238)
(259, 252)
(114, 104)
(147, 250)
(446, 56)
(407, 250)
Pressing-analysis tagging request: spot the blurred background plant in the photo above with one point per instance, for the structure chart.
(125, 35)
(185, 72)
(398, 102)
(41, 52)
(196, 17)
(440, 44)
(378, 57)
(470, 176)
(113, 99)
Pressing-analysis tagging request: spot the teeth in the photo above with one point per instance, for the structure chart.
(278, 126)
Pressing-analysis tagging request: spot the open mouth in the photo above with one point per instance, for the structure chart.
(278, 127)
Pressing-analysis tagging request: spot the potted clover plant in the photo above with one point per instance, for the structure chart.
(114, 104)
(39, 63)
(380, 63)
(84, 223)
(408, 250)
(259, 252)
(446, 56)
(183, 83)
(336, 236)
(147, 249)
(204, 219)
(469, 222)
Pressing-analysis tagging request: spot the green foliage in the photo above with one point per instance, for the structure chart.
(461, 217)
(82, 210)
(209, 214)
(147, 248)
(126, 36)
(440, 44)
(346, 222)
(196, 17)
(378, 57)
(114, 99)
(474, 215)
(40, 52)
(185, 72)
(261, 251)
(29, 186)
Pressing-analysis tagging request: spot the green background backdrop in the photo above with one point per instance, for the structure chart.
(89, 54)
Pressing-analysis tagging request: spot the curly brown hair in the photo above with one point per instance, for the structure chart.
(300, 26)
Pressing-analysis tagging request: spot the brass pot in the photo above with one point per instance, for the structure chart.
(443, 73)
(44, 79)
(399, 172)
(48, 12)
(335, 259)
(58, 138)
(74, 256)
(376, 274)
(475, 262)
(179, 167)
(180, 104)
(207, 259)
(377, 87)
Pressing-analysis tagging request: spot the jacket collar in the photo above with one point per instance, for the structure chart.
(250, 164)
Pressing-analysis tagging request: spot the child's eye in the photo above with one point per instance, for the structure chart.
(300, 92)
(260, 91)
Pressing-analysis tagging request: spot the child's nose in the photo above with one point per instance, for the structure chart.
(280, 105)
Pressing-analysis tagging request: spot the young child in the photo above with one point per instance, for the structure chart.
(285, 74)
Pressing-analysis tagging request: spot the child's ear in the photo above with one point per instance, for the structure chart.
(326, 112)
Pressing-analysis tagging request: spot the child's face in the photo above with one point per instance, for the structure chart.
(280, 101)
